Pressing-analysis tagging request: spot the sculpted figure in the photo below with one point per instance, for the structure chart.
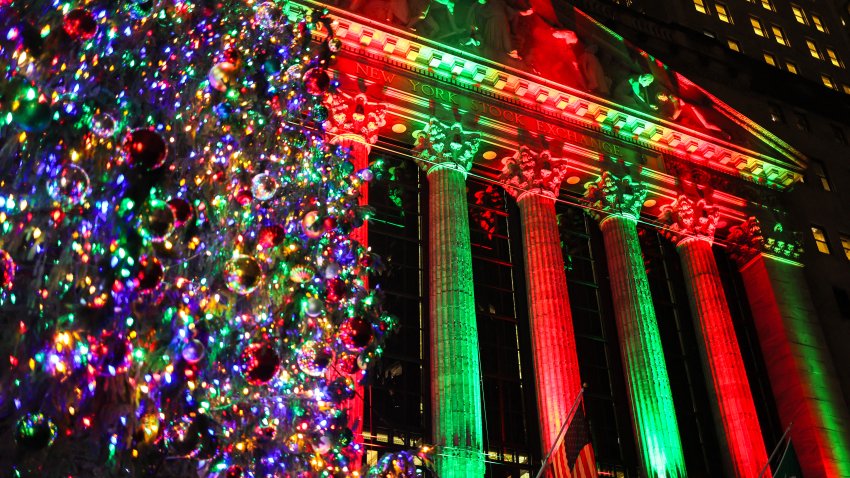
(634, 90)
(491, 23)
(592, 72)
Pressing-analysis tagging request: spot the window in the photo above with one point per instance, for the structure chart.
(779, 35)
(767, 5)
(838, 132)
(846, 89)
(723, 13)
(827, 81)
(818, 170)
(757, 28)
(769, 59)
(845, 244)
(775, 113)
(799, 15)
(792, 68)
(820, 239)
(734, 45)
(842, 299)
(802, 122)
(833, 57)
(813, 49)
(700, 6)
(818, 23)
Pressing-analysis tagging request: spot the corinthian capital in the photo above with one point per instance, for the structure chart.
(745, 241)
(686, 217)
(442, 145)
(530, 172)
(354, 118)
(612, 195)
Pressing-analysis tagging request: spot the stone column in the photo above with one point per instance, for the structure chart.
(354, 122)
(534, 179)
(446, 152)
(798, 362)
(691, 225)
(616, 202)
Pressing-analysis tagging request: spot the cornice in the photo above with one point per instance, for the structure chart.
(404, 50)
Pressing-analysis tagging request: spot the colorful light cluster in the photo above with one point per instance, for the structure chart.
(180, 286)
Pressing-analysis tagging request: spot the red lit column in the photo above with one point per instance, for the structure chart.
(798, 364)
(616, 202)
(353, 123)
(534, 180)
(690, 225)
(445, 152)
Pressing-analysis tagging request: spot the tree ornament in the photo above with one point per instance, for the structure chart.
(80, 24)
(268, 15)
(316, 81)
(234, 471)
(103, 125)
(314, 358)
(271, 236)
(139, 9)
(7, 270)
(34, 432)
(150, 273)
(70, 187)
(30, 109)
(222, 76)
(191, 436)
(144, 148)
(356, 333)
(260, 363)
(263, 186)
(243, 274)
(193, 352)
(157, 220)
(311, 226)
(313, 307)
(301, 273)
(182, 210)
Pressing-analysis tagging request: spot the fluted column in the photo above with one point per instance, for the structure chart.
(691, 225)
(798, 364)
(616, 202)
(445, 152)
(534, 179)
(354, 122)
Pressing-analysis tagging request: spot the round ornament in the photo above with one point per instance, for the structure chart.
(70, 187)
(150, 273)
(311, 225)
(316, 81)
(182, 210)
(260, 363)
(103, 125)
(7, 270)
(234, 471)
(145, 148)
(263, 186)
(222, 76)
(334, 45)
(139, 9)
(193, 352)
(30, 109)
(243, 274)
(313, 307)
(301, 274)
(314, 358)
(34, 432)
(267, 15)
(356, 333)
(157, 220)
(271, 235)
(80, 24)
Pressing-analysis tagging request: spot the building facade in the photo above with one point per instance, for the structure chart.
(564, 209)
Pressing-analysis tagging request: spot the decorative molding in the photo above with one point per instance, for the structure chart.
(354, 118)
(440, 145)
(746, 241)
(531, 172)
(686, 217)
(611, 195)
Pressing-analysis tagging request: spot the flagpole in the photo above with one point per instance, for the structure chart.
(776, 449)
(561, 433)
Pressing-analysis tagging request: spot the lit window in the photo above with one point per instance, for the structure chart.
(813, 49)
(820, 239)
(769, 59)
(723, 13)
(757, 28)
(846, 89)
(827, 81)
(767, 5)
(700, 6)
(833, 57)
(818, 170)
(818, 23)
(779, 35)
(734, 45)
(799, 14)
(792, 68)
(845, 244)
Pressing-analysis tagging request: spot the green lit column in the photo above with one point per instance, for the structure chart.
(796, 356)
(616, 202)
(445, 152)
(534, 179)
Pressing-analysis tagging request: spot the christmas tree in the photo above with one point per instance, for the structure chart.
(181, 291)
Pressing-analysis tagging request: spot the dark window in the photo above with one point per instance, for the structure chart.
(839, 134)
(802, 121)
(775, 112)
(842, 298)
(818, 170)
